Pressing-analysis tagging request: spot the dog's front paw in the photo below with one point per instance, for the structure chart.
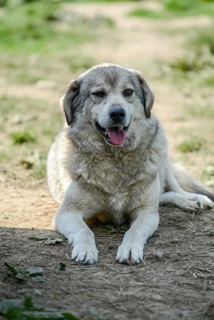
(85, 252)
(130, 253)
(84, 248)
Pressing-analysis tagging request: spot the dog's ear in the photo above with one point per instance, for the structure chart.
(68, 102)
(148, 96)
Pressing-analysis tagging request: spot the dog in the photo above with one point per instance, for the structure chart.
(110, 159)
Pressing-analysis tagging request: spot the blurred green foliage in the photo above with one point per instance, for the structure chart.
(26, 135)
(204, 38)
(21, 137)
(183, 5)
(195, 61)
(197, 64)
(177, 8)
(14, 3)
(192, 144)
(26, 309)
(31, 28)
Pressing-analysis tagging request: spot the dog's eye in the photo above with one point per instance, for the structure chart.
(128, 92)
(99, 94)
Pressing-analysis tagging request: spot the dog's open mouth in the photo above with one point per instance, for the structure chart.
(114, 135)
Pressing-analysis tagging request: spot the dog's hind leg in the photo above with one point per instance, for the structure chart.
(187, 202)
(191, 200)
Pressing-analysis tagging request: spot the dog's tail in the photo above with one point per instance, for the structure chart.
(189, 184)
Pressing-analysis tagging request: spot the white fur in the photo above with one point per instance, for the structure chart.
(87, 175)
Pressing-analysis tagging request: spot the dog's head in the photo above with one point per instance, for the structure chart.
(109, 99)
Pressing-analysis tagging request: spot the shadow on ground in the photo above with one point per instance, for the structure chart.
(175, 280)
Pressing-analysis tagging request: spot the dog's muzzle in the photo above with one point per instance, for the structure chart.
(115, 133)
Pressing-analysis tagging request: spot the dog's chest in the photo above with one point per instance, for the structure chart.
(118, 180)
(112, 175)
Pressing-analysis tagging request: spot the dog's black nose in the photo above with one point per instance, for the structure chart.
(117, 114)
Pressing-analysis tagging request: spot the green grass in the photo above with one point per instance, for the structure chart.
(36, 45)
(36, 35)
(77, 63)
(146, 13)
(32, 68)
(27, 113)
(190, 63)
(200, 111)
(5, 156)
(191, 145)
(17, 309)
(27, 134)
(33, 28)
(20, 137)
(209, 82)
(196, 67)
(204, 37)
(39, 170)
(177, 8)
(208, 175)
(184, 5)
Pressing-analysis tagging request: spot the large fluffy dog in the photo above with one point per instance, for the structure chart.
(111, 159)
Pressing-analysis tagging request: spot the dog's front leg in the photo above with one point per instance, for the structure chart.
(145, 223)
(131, 249)
(69, 221)
(71, 225)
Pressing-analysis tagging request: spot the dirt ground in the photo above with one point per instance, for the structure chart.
(176, 278)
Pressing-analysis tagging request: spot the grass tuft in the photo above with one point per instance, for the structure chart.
(39, 170)
(180, 5)
(203, 38)
(146, 13)
(21, 137)
(195, 61)
(197, 65)
(191, 145)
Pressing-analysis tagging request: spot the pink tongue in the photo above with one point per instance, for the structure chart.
(117, 135)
